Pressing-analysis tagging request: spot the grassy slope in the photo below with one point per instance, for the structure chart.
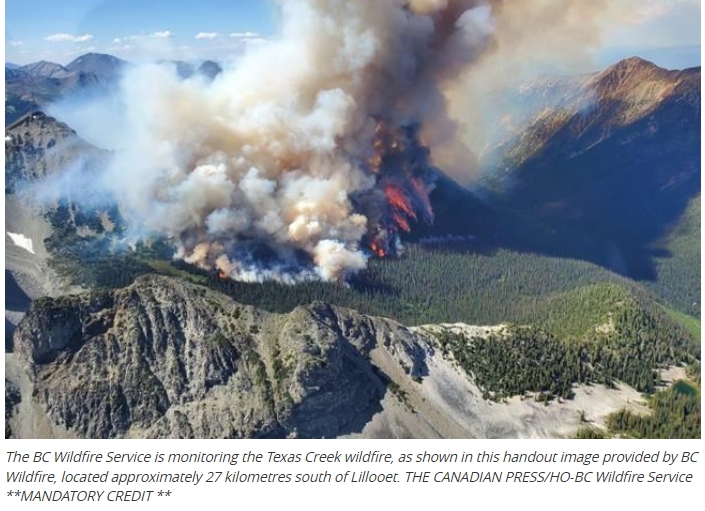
(690, 323)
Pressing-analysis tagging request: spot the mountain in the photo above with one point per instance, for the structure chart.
(209, 69)
(35, 86)
(37, 146)
(12, 72)
(165, 358)
(613, 157)
(40, 150)
(671, 57)
(10, 65)
(105, 67)
(45, 69)
(183, 69)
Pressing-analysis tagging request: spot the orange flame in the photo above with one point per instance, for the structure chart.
(378, 250)
(399, 201)
(396, 154)
(401, 222)
(222, 275)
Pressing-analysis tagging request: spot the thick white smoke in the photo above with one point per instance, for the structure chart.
(268, 171)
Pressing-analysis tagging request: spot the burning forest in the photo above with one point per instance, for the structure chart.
(311, 152)
(404, 174)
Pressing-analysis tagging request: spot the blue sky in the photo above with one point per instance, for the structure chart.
(60, 30)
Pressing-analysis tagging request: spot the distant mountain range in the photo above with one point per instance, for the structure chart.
(208, 69)
(34, 86)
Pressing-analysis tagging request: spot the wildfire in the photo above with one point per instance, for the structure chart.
(422, 194)
(379, 147)
(398, 200)
(222, 275)
(401, 222)
(401, 207)
(378, 250)
(402, 165)
(376, 163)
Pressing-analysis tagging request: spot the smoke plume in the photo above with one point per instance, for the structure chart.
(312, 152)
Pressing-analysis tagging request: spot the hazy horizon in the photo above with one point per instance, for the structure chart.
(666, 32)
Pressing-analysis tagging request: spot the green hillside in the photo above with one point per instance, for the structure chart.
(678, 268)
(690, 323)
(676, 413)
(427, 285)
(633, 339)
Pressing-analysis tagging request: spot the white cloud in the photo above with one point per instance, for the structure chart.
(164, 34)
(245, 35)
(58, 38)
(207, 35)
(15, 43)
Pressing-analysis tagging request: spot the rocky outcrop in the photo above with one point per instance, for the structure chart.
(167, 358)
(38, 146)
(12, 399)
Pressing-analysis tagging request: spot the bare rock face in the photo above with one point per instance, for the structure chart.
(167, 358)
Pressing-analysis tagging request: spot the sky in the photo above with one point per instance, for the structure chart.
(134, 29)
(667, 31)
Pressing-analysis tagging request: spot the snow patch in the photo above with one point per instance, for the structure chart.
(22, 241)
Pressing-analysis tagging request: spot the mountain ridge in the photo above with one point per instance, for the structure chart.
(165, 358)
(596, 163)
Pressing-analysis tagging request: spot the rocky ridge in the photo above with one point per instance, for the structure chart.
(166, 358)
